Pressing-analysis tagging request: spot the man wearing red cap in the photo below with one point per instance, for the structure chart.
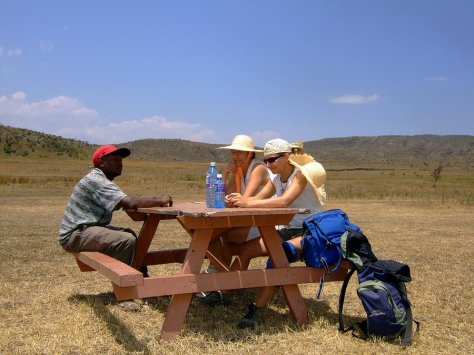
(86, 222)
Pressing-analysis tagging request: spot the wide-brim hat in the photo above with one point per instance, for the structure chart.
(297, 145)
(243, 143)
(313, 172)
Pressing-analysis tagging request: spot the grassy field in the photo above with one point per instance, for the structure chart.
(48, 306)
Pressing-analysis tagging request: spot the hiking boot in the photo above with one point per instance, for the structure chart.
(252, 318)
(214, 298)
(129, 306)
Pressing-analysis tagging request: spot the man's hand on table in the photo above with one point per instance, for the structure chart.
(165, 200)
(134, 202)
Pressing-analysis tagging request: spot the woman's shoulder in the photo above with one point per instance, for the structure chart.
(258, 166)
(255, 162)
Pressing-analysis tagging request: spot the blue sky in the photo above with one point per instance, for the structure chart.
(110, 71)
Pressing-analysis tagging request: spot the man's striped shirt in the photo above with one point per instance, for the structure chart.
(92, 202)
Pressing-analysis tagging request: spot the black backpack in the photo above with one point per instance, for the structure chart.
(381, 290)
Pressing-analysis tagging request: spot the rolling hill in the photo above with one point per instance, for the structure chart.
(454, 149)
(353, 151)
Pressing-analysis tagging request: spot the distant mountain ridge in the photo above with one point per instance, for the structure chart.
(449, 148)
(355, 151)
(176, 150)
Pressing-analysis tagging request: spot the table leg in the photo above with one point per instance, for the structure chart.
(145, 237)
(292, 293)
(178, 307)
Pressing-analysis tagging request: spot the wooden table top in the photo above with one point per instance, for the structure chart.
(199, 209)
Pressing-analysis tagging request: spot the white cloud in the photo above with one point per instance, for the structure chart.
(151, 127)
(68, 117)
(354, 99)
(436, 78)
(46, 115)
(19, 95)
(57, 107)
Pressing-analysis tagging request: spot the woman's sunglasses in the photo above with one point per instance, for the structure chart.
(272, 159)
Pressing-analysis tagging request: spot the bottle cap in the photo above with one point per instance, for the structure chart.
(213, 163)
(219, 176)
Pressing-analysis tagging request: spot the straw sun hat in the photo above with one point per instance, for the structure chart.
(242, 143)
(313, 172)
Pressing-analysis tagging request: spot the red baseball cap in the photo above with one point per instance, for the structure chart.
(106, 150)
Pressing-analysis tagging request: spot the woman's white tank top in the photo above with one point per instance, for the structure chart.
(307, 199)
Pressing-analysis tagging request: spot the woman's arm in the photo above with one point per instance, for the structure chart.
(267, 192)
(258, 177)
(228, 175)
(290, 195)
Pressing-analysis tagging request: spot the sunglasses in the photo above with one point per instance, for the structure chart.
(272, 159)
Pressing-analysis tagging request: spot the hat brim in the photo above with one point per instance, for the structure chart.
(124, 152)
(240, 148)
(301, 159)
(313, 172)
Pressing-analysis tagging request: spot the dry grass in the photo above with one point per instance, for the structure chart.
(48, 306)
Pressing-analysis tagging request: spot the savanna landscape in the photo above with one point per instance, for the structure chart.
(408, 210)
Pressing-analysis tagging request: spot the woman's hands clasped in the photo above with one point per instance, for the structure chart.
(236, 200)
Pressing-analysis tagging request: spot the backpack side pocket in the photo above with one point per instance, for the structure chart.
(384, 305)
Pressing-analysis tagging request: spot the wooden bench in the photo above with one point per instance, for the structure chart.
(128, 283)
(119, 273)
(91, 261)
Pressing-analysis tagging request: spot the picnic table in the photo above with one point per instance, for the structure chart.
(203, 226)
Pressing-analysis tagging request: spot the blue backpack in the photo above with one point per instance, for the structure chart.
(381, 290)
(321, 244)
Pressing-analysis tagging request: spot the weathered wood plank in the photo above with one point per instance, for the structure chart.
(193, 283)
(119, 273)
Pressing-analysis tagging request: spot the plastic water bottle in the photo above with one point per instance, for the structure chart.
(211, 177)
(220, 192)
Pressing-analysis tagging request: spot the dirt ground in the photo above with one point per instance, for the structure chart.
(48, 306)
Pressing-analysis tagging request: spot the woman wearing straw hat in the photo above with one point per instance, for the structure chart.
(297, 180)
(245, 175)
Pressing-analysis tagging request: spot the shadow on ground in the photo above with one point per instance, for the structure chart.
(275, 319)
(121, 333)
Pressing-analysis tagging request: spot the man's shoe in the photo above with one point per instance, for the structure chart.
(144, 271)
(252, 318)
(214, 298)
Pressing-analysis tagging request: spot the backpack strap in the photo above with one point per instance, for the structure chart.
(341, 300)
(327, 272)
(409, 328)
